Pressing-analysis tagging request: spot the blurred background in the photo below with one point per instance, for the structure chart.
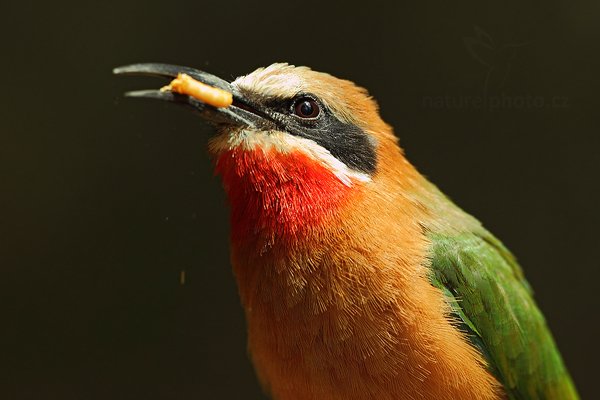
(107, 201)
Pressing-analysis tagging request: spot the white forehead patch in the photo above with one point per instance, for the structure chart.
(285, 143)
(348, 102)
(278, 80)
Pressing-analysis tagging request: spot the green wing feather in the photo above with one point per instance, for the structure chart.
(494, 305)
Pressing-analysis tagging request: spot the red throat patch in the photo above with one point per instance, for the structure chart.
(277, 194)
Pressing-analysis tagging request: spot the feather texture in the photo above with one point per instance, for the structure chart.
(495, 302)
(376, 288)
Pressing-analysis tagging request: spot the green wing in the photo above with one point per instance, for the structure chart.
(492, 302)
(494, 305)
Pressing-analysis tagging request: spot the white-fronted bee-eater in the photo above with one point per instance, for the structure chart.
(358, 277)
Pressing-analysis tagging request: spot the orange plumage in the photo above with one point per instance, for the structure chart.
(351, 266)
(335, 313)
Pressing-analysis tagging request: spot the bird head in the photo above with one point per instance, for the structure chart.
(294, 148)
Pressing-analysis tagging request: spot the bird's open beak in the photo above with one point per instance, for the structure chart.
(240, 112)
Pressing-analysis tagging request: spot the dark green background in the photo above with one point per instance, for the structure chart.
(105, 200)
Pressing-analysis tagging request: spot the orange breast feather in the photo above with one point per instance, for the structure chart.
(345, 309)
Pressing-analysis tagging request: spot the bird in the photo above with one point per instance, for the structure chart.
(358, 277)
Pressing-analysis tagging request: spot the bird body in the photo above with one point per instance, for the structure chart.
(338, 301)
(358, 277)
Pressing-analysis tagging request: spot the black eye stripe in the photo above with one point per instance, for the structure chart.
(345, 141)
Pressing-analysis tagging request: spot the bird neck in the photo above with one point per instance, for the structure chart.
(350, 288)
(279, 197)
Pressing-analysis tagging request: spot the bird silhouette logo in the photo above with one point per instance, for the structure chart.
(498, 59)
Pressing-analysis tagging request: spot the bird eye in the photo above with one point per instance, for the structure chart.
(305, 107)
